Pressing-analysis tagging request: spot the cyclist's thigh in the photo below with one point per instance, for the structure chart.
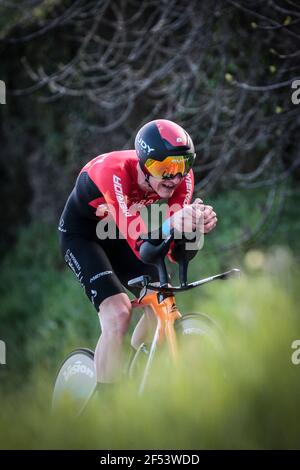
(92, 267)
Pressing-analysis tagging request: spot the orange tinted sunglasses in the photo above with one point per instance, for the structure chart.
(170, 166)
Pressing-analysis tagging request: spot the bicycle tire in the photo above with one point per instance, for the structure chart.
(75, 379)
(198, 324)
(190, 324)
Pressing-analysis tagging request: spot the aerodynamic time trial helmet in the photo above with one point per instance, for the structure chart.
(164, 149)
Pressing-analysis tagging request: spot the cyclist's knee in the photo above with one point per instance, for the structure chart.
(114, 314)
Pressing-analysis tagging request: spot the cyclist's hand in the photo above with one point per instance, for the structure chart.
(210, 217)
(188, 219)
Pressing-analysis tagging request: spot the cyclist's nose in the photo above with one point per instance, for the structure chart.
(177, 178)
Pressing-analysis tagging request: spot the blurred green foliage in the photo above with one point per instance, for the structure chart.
(243, 397)
(43, 311)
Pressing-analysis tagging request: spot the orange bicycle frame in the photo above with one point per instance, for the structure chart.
(166, 313)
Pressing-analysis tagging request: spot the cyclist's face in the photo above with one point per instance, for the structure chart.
(165, 188)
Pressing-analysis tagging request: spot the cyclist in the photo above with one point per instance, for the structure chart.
(110, 188)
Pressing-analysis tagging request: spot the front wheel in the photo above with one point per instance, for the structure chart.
(193, 330)
(199, 328)
(200, 338)
(202, 350)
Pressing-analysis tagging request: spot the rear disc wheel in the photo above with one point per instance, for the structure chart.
(75, 380)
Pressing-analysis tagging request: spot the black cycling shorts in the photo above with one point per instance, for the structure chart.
(103, 267)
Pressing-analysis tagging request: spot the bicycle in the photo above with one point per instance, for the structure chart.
(76, 376)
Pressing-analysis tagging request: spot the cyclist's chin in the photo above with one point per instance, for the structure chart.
(165, 192)
(164, 189)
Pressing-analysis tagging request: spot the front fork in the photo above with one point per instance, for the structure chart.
(166, 313)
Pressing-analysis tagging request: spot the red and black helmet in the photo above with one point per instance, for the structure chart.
(164, 149)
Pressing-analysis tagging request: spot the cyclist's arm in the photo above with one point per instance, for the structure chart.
(182, 196)
(115, 188)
